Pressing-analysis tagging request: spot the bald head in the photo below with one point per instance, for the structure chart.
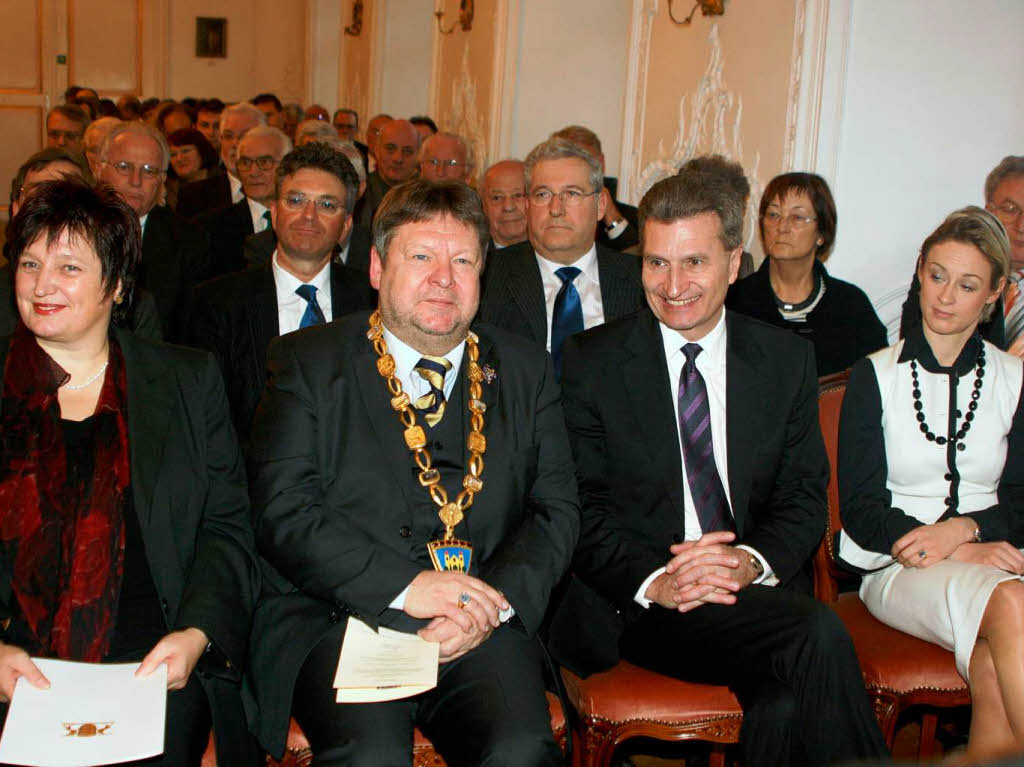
(397, 150)
(445, 157)
(503, 191)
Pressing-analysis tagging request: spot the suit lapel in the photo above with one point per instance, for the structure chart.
(743, 404)
(261, 315)
(527, 290)
(645, 380)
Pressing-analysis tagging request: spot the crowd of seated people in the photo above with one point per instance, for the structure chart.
(256, 374)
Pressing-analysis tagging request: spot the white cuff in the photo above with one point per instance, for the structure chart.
(639, 597)
(617, 229)
(767, 576)
(398, 603)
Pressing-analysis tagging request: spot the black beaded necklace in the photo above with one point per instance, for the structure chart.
(958, 438)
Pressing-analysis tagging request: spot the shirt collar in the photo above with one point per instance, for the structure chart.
(916, 347)
(712, 344)
(287, 283)
(256, 209)
(142, 222)
(406, 358)
(587, 264)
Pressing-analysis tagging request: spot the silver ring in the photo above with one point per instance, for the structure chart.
(922, 554)
(464, 599)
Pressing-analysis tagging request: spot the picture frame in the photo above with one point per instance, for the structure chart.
(211, 37)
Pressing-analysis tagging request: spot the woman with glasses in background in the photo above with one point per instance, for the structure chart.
(792, 289)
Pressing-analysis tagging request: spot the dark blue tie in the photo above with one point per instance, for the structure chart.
(567, 316)
(706, 487)
(312, 315)
(266, 217)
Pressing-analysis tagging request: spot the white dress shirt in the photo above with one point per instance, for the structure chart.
(237, 195)
(588, 285)
(256, 210)
(290, 305)
(711, 365)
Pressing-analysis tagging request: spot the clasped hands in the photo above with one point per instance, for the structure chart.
(458, 629)
(953, 538)
(180, 650)
(705, 571)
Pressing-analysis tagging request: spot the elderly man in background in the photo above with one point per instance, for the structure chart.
(373, 128)
(503, 191)
(397, 161)
(445, 157)
(134, 160)
(65, 127)
(95, 135)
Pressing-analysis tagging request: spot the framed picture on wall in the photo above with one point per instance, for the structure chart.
(211, 38)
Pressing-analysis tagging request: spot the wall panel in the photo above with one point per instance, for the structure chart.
(21, 42)
(104, 44)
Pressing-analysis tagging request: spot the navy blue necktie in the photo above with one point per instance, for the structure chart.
(313, 315)
(706, 487)
(266, 217)
(567, 315)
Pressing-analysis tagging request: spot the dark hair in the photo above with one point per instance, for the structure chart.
(814, 186)
(729, 171)
(71, 91)
(73, 112)
(43, 159)
(267, 98)
(168, 109)
(130, 109)
(319, 156)
(210, 105)
(191, 102)
(421, 200)
(207, 154)
(691, 193)
(346, 111)
(108, 109)
(424, 120)
(97, 215)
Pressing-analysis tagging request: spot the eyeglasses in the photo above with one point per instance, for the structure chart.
(795, 220)
(266, 162)
(1008, 210)
(329, 206)
(125, 168)
(570, 198)
(436, 163)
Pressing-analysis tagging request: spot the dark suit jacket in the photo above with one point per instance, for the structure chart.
(619, 410)
(260, 247)
(376, 188)
(235, 317)
(189, 491)
(341, 527)
(204, 195)
(175, 255)
(227, 228)
(513, 294)
(629, 237)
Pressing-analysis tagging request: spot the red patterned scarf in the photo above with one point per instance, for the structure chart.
(61, 547)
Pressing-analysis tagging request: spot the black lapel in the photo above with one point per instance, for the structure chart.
(261, 313)
(744, 401)
(645, 380)
(151, 396)
(242, 218)
(527, 290)
(618, 287)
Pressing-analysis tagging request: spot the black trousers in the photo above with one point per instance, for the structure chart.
(789, 660)
(488, 708)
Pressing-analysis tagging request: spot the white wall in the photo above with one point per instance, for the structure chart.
(405, 78)
(932, 101)
(571, 68)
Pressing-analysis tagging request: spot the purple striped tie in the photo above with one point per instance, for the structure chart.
(698, 450)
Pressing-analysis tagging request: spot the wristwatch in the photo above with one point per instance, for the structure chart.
(756, 564)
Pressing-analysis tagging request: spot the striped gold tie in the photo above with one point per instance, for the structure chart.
(431, 404)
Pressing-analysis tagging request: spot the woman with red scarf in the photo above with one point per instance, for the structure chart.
(124, 524)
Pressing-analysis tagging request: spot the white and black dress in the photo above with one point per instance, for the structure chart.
(893, 477)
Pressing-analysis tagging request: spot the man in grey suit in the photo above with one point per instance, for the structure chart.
(560, 282)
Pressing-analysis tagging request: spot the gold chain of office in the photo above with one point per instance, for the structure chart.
(450, 512)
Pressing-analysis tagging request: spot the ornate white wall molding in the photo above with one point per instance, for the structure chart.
(465, 118)
(636, 96)
(710, 122)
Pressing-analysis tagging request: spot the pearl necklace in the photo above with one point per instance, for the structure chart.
(88, 383)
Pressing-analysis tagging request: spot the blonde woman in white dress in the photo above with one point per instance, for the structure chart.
(931, 479)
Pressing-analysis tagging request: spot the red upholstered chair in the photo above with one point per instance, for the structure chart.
(298, 753)
(899, 670)
(629, 702)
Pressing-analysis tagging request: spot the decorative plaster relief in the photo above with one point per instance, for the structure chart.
(714, 127)
(795, 76)
(465, 117)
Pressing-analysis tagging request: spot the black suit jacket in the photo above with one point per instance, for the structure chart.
(376, 188)
(629, 236)
(622, 425)
(513, 294)
(341, 528)
(204, 195)
(190, 494)
(235, 317)
(175, 255)
(227, 228)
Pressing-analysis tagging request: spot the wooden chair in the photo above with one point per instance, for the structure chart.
(298, 753)
(899, 670)
(629, 702)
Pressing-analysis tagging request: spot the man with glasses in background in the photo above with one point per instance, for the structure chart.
(134, 161)
(445, 157)
(560, 282)
(237, 316)
(259, 153)
(65, 128)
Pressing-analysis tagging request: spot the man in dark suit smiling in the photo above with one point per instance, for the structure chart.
(702, 476)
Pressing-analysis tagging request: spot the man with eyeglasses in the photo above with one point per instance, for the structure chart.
(259, 153)
(445, 157)
(65, 128)
(346, 122)
(134, 160)
(236, 316)
(503, 191)
(223, 189)
(397, 151)
(560, 282)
